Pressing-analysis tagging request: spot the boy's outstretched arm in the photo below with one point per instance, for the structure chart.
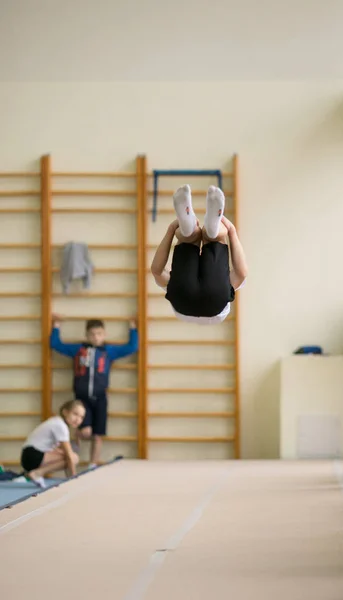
(116, 351)
(160, 259)
(56, 342)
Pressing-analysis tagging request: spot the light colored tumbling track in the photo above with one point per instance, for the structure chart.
(134, 530)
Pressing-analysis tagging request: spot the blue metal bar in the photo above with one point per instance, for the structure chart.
(195, 172)
(179, 172)
(154, 207)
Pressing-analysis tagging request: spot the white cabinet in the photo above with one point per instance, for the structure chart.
(311, 407)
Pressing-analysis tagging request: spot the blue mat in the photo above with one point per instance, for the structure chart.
(12, 493)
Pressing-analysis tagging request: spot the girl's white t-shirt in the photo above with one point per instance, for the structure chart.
(48, 435)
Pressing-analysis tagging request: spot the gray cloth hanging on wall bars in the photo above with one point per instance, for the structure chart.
(76, 264)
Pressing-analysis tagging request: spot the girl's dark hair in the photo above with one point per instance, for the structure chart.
(69, 405)
(94, 324)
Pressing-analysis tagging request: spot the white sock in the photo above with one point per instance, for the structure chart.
(184, 210)
(215, 203)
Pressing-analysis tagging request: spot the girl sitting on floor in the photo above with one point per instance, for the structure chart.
(48, 447)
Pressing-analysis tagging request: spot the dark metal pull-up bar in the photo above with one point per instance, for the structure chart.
(189, 173)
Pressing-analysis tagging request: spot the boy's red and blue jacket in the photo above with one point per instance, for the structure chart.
(92, 364)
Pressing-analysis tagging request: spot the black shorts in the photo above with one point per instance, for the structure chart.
(31, 458)
(96, 415)
(199, 284)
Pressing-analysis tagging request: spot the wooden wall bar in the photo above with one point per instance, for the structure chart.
(193, 382)
(157, 380)
(46, 284)
(142, 304)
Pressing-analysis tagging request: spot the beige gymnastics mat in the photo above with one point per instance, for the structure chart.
(180, 531)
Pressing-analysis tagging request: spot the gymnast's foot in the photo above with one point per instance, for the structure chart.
(215, 203)
(182, 200)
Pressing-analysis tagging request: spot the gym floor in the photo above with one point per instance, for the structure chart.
(191, 531)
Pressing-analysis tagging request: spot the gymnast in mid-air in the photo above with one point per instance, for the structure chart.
(200, 285)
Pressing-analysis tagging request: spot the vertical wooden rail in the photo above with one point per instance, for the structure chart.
(46, 283)
(142, 304)
(237, 348)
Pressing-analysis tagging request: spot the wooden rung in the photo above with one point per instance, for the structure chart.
(122, 415)
(117, 211)
(191, 415)
(19, 318)
(122, 390)
(118, 270)
(20, 269)
(191, 342)
(23, 342)
(10, 174)
(115, 366)
(109, 319)
(10, 211)
(122, 438)
(225, 390)
(19, 246)
(182, 440)
(18, 193)
(101, 246)
(20, 295)
(81, 174)
(14, 438)
(96, 295)
(166, 318)
(20, 366)
(155, 246)
(169, 193)
(19, 390)
(112, 342)
(4, 415)
(198, 211)
(107, 193)
(175, 367)
(174, 318)
(110, 391)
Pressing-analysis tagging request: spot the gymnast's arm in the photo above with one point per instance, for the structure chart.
(158, 265)
(239, 270)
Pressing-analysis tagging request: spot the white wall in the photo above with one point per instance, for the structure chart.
(290, 141)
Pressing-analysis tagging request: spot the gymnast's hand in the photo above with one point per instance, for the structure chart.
(173, 226)
(229, 226)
